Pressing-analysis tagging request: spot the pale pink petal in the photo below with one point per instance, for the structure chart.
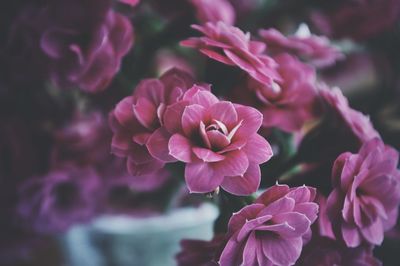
(146, 113)
(224, 112)
(251, 120)
(257, 149)
(234, 164)
(180, 148)
(191, 118)
(243, 185)
(272, 194)
(350, 235)
(207, 155)
(157, 145)
(173, 117)
(282, 251)
(201, 178)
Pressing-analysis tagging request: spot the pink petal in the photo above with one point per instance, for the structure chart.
(204, 98)
(246, 213)
(243, 185)
(136, 169)
(231, 254)
(201, 178)
(224, 112)
(146, 112)
(298, 221)
(218, 141)
(257, 149)
(217, 56)
(157, 145)
(250, 251)
(234, 164)
(151, 89)
(309, 209)
(207, 155)
(350, 235)
(282, 251)
(123, 112)
(173, 117)
(272, 194)
(283, 204)
(251, 120)
(191, 118)
(374, 233)
(180, 148)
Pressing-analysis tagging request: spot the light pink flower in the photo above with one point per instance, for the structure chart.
(214, 11)
(313, 49)
(139, 117)
(271, 231)
(217, 140)
(295, 102)
(231, 46)
(366, 195)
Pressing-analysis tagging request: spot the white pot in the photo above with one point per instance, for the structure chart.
(130, 241)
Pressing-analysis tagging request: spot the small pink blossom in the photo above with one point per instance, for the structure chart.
(313, 49)
(271, 231)
(291, 103)
(218, 141)
(366, 196)
(231, 46)
(214, 11)
(139, 117)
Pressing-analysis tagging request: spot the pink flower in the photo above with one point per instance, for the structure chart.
(293, 100)
(366, 195)
(80, 43)
(214, 11)
(217, 140)
(271, 231)
(130, 2)
(313, 49)
(359, 124)
(139, 117)
(231, 46)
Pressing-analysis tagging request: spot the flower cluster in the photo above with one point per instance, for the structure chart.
(132, 107)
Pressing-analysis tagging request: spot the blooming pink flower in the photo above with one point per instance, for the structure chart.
(293, 100)
(65, 196)
(231, 46)
(314, 49)
(139, 117)
(271, 231)
(366, 195)
(217, 140)
(81, 43)
(214, 11)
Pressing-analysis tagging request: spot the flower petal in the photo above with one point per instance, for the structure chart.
(257, 149)
(243, 185)
(157, 145)
(201, 178)
(180, 148)
(234, 164)
(282, 251)
(191, 118)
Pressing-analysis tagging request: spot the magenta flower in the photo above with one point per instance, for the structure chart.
(214, 11)
(294, 100)
(63, 197)
(231, 46)
(313, 49)
(271, 231)
(324, 251)
(81, 42)
(366, 195)
(83, 140)
(217, 140)
(139, 117)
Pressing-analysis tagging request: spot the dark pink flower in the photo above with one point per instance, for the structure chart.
(200, 252)
(293, 100)
(322, 251)
(81, 42)
(83, 140)
(139, 117)
(217, 140)
(65, 196)
(130, 2)
(359, 19)
(271, 231)
(313, 49)
(214, 11)
(366, 196)
(231, 46)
